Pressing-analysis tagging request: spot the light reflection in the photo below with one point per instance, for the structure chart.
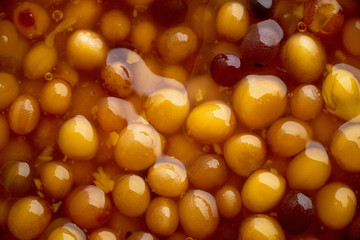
(270, 180)
(137, 185)
(96, 197)
(83, 127)
(36, 208)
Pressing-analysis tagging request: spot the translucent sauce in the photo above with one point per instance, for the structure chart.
(179, 119)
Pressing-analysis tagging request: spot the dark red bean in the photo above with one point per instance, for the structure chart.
(26, 18)
(261, 43)
(261, 9)
(169, 12)
(226, 69)
(296, 212)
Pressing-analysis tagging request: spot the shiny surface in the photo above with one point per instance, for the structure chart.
(168, 177)
(296, 212)
(177, 43)
(86, 49)
(211, 122)
(226, 69)
(335, 204)
(306, 102)
(55, 97)
(162, 216)
(24, 114)
(228, 201)
(167, 109)
(261, 227)
(61, 229)
(103, 234)
(113, 113)
(303, 46)
(131, 195)
(28, 217)
(198, 213)
(138, 147)
(89, 199)
(310, 169)
(208, 172)
(262, 191)
(57, 179)
(141, 235)
(345, 146)
(288, 136)
(232, 21)
(258, 100)
(341, 93)
(78, 138)
(261, 43)
(245, 153)
(61, 234)
(16, 176)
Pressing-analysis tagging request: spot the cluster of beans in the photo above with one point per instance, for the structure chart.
(179, 119)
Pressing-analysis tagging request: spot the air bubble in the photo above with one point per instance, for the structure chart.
(301, 27)
(57, 15)
(48, 76)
